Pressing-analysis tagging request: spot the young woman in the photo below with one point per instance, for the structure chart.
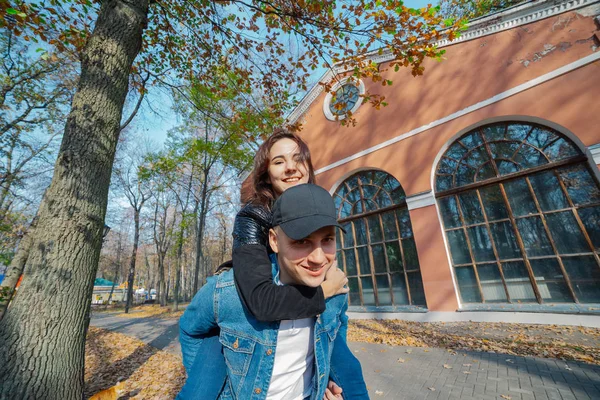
(281, 162)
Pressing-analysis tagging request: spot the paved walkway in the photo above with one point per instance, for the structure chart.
(423, 373)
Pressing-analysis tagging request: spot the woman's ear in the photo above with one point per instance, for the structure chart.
(273, 240)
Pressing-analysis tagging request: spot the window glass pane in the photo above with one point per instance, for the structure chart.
(338, 239)
(443, 182)
(369, 191)
(456, 151)
(472, 140)
(404, 222)
(494, 132)
(493, 202)
(467, 284)
(447, 166)
(480, 243)
(491, 283)
(379, 258)
(370, 205)
(506, 167)
(389, 225)
(354, 195)
(528, 157)
(540, 138)
(505, 240)
(477, 157)
(581, 186)
(416, 288)
(390, 183)
(383, 199)
(363, 260)
(449, 211)
(410, 254)
(584, 274)
(367, 291)
(342, 190)
(357, 208)
(354, 291)
(548, 191)
(486, 171)
(518, 282)
(350, 259)
(348, 236)
(504, 150)
(346, 210)
(518, 132)
(383, 290)
(560, 150)
(394, 256)
(550, 280)
(566, 233)
(374, 228)
(471, 208)
(360, 230)
(458, 247)
(465, 175)
(534, 237)
(590, 216)
(399, 289)
(519, 197)
(398, 196)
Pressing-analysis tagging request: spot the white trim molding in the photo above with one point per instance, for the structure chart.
(595, 152)
(512, 17)
(420, 200)
(494, 99)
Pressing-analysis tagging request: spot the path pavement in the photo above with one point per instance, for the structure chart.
(415, 373)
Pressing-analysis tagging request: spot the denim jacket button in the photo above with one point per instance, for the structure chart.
(269, 352)
(257, 390)
(236, 344)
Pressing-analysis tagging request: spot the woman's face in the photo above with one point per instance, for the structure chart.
(285, 168)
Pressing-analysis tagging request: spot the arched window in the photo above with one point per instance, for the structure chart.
(378, 250)
(521, 212)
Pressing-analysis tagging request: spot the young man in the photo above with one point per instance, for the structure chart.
(287, 359)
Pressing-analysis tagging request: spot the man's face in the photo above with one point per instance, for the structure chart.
(305, 261)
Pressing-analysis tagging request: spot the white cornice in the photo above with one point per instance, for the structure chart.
(512, 17)
(420, 200)
(595, 151)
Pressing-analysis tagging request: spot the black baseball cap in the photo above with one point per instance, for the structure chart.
(304, 209)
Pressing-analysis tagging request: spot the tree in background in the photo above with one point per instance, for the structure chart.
(42, 334)
(469, 9)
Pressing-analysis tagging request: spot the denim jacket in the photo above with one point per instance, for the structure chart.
(249, 345)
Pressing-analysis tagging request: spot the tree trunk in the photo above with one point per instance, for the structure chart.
(42, 336)
(15, 270)
(200, 232)
(131, 276)
(117, 268)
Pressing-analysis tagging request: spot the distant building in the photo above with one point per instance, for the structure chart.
(477, 187)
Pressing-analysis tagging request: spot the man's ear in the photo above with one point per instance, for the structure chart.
(273, 240)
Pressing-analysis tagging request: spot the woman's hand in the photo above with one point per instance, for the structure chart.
(333, 392)
(335, 281)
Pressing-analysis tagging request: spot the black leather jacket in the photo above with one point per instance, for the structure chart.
(254, 281)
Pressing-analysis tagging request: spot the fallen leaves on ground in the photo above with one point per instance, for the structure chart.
(151, 311)
(146, 372)
(549, 341)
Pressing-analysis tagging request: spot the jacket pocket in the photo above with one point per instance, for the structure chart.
(237, 351)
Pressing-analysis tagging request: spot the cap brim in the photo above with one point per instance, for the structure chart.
(302, 227)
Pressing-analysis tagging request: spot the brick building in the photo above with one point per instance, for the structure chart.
(477, 187)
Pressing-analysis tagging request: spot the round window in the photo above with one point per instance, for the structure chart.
(344, 99)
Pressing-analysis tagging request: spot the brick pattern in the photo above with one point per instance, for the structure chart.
(472, 375)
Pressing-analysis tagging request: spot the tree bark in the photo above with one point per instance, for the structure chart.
(117, 269)
(42, 336)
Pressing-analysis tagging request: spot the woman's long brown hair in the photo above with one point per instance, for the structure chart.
(257, 189)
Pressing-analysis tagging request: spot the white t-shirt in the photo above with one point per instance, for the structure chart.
(294, 360)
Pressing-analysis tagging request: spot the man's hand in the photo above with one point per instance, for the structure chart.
(335, 281)
(333, 392)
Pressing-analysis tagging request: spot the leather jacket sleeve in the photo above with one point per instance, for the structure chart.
(253, 277)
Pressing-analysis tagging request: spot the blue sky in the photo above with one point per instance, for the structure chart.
(155, 127)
